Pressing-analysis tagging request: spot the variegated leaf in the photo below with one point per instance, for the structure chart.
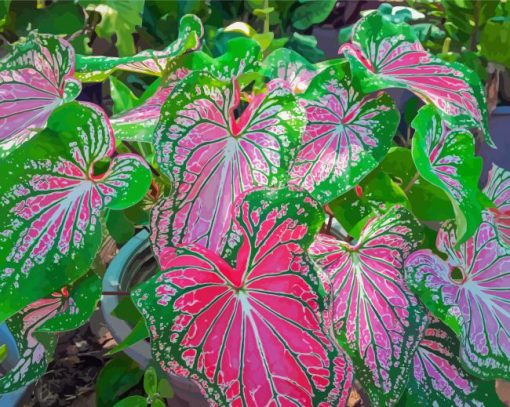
(437, 378)
(377, 320)
(470, 292)
(35, 78)
(52, 200)
(31, 327)
(150, 62)
(291, 67)
(243, 56)
(212, 157)
(498, 190)
(249, 336)
(446, 158)
(388, 55)
(346, 137)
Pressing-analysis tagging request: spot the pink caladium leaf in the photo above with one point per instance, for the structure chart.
(498, 190)
(377, 320)
(437, 378)
(346, 137)
(150, 62)
(291, 67)
(31, 328)
(387, 55)
(35, 78)
(249, 336)
(52, 201)
(470, 292)
(212, 157)
(446, 158)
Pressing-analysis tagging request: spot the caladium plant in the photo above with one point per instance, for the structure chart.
(234, 162)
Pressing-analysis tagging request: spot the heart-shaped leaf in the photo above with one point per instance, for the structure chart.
(470, 292)
(437, 378)
(63, 310)
(378, 322)
(498, 190)
(150, 62)
(212, 157)
(243, 56)
(250, 335)
(346, 136)
(291, 67)
(387, 55)
(446, 158)
(35, 78)
(52, 200)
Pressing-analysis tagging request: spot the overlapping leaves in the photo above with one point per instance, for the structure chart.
(385, 55)
(35, 78)
(52, 201)
(469, 291)
(32, 328)
(250, 335)
(212, 156)
(377, 320)
(346, 136)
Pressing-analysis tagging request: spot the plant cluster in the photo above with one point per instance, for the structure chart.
(303, 241)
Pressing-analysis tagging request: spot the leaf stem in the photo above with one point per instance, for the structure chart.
(411, 182)
(266, 18)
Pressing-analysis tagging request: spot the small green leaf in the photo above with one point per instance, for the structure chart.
(127, 311)
(117, 376)
(123, 98)
(3, 352)
(158, 403)
(165, 389)
(132, 401)
(139, 333)
(150, 381)
(311, 12)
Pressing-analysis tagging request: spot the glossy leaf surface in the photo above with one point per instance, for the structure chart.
(446, 158)
(251, 335)
(377, 320)
(386, 55)
(35, 78)
(438, 378)
(346, 136)
(52, 200)
(498, 190)
(470, 292)
(150, 62)
(212, 157)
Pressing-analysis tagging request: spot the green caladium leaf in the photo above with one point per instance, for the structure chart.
(53, 201)
(437, 377)
(212, 157)
(347, 134)
(375, 195)
(291, 67)
(242, 57)
(35, 78)
(386, 55)
(32, 328)
(446, 158)
(150, 62)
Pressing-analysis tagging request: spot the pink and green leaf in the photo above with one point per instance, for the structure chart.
(250, 335)
(388, 55)
(53, 200)
(32, 328)
(35, 78)
(437, 378)
(469, 291)
(347, 134)
(498, 190)
(377, 320)
(212, 157)
(446, 158)
(150, 62)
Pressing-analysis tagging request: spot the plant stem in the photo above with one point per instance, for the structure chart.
(412, 182)
(266, 18)
(135, 151)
